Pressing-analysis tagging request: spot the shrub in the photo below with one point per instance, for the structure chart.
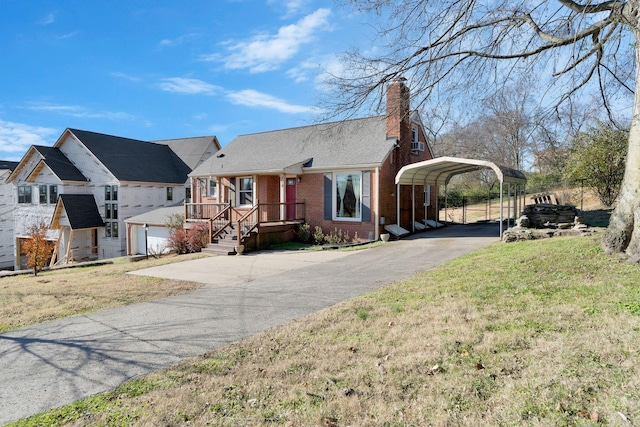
(177, 241)
(318, 236)
(337, 237)
(197, 237)
(304, 233)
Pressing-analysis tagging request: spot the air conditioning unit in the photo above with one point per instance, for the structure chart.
(417, 146)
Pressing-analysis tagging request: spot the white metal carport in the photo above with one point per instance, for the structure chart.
(439, 171)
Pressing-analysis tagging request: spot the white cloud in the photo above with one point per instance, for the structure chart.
(16, 138)
(78, 111)
(292, 6)
(68, 35)
(253, 98)
(125, 76)
(267, 52)
(188, 86)
(178, 40)
(49, 19)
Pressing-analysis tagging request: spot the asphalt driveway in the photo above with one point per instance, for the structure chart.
(58, 362)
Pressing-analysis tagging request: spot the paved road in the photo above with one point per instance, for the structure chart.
(58, 362)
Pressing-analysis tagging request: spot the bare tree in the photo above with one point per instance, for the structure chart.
(467, 48)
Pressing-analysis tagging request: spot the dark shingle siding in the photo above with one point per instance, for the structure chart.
(81, 210)
(134, 160)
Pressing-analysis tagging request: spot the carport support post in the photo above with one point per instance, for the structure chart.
(413, 208)
(508, 204)
(398, 205)
(501, 208)
(446, 201)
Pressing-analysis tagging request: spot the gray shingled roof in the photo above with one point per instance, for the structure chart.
(81, 210)
(157, 216)
(135, 160)
(349, 143)
(59, 164)
(193, 151)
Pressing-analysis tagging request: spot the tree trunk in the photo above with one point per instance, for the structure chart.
(623, 234)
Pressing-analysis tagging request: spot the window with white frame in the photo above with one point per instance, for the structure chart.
(245, 191)
(347, 196)
(213, 188)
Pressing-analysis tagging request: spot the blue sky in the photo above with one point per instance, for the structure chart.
(164, 69)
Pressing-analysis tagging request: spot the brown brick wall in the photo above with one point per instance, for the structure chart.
(311, 190)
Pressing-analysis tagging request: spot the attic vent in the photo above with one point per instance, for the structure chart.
(417, 146)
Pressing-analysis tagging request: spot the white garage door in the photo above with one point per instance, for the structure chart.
(156, 239)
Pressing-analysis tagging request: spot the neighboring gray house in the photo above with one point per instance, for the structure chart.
(88, 183)
(6, 215)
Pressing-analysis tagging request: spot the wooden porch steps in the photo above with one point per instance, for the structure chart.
(226, 246)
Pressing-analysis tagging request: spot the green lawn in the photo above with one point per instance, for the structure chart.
(533, 333)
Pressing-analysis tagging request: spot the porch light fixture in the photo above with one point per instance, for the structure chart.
(299, 179)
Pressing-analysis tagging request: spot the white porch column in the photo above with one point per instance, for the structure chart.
(283, 196)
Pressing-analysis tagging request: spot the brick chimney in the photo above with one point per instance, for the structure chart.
(399, 118)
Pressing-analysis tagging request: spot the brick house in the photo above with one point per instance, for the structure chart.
(88, 183)
(332, 175)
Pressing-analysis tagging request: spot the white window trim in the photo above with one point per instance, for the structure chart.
(334, 195)
(238, 191)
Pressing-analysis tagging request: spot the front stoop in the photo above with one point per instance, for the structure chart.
(222, 247)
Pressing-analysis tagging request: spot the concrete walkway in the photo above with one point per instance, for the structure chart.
(58, 362)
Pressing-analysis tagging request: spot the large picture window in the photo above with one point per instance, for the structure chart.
(348, 196)
(245, 191)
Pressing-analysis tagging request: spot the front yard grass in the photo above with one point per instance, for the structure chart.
(27, 300)
(531, 333)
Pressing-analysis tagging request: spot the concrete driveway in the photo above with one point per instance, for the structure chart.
(58, 362)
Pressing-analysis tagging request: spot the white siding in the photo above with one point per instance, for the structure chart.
(7, 242)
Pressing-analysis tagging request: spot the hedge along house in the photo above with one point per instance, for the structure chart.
(333, 175)
(87, 184)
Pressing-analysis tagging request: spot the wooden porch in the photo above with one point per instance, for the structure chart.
(255, 227)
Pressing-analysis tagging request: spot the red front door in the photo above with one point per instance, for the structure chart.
(291, 198)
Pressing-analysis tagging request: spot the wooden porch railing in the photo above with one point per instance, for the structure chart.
(203, 210)
(222, 215)
(248, 222)
(219, 222)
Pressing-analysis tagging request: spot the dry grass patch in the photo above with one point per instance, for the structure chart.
(26, 300)
(534, 333)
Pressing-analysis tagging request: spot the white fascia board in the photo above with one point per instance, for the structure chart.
(362, 166)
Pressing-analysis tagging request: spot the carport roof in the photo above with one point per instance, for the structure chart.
(439, 171)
